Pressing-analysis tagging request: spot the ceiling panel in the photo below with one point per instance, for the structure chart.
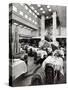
(44, 9)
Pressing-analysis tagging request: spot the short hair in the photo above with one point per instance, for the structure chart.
(36, 80)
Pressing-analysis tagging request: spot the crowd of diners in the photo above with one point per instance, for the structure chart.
(49, 55)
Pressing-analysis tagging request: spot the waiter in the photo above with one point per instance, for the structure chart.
(56, 61)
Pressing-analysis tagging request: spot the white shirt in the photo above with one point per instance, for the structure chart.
(56, 61)
(60, 52)
(49, 49)
(41, 53)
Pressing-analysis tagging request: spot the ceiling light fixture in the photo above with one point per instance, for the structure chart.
(48, 6)
(41, 8)
(14, 9)
(30, 11)
(20, 25)
(39, 5)
(30, 18)
(21, 13)
(33, 14)
(50, 10)
(26, 16)
(35, 11)
(16, 23)
(33, 21)
(26, 7)
(36, 16)
(32, 7)
(43, 12)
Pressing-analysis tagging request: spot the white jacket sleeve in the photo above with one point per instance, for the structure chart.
(47, 60)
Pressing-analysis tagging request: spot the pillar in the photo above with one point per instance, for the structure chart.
(15, 41)
(42, 27)
(54, 26)
(17, 48)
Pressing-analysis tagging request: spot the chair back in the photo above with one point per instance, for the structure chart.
(49, 72)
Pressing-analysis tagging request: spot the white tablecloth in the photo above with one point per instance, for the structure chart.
(41, 53)
(33, 48)
(18, 67)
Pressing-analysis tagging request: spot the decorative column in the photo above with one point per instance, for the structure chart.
(16, 46)
(54, 26)
(42, 27)
(13, 39)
